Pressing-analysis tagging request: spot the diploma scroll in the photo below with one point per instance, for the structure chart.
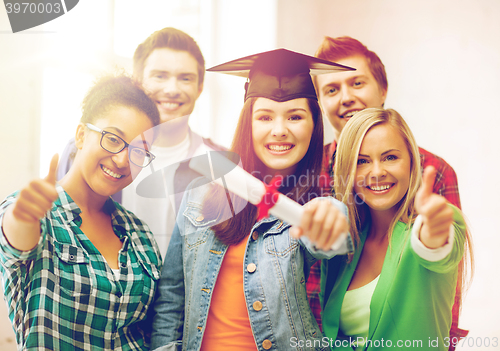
(246, 186)
(238, 181)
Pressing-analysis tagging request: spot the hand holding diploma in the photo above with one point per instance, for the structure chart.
(320, 220)
(323, 224)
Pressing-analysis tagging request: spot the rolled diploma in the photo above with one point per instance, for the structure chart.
(251, 189)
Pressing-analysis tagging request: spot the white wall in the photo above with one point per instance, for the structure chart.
(19, 115)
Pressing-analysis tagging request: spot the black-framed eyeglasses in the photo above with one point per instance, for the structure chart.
(114, 144)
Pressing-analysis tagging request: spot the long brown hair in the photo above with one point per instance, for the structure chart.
(239, 224)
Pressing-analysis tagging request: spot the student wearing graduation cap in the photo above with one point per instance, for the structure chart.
(239, 284)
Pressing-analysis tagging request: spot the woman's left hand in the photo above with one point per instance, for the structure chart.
(436, 214)
(322, 222)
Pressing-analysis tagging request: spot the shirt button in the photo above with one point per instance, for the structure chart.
(71, 257)
(124, 265)
(257, 306)
(199, 218)
(251, 268)
(255, 235)
(267, 344)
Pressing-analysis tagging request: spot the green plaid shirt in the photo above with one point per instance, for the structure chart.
(62, 295)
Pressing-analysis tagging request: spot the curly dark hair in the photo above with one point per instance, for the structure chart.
(117, 90)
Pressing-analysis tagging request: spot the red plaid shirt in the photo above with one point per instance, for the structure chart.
(445, 185)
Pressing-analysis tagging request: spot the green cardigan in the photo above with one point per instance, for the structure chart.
(411, 305)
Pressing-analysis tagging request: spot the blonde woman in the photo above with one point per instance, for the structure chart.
(398, 288)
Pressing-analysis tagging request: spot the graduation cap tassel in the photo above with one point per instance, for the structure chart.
(246, 88)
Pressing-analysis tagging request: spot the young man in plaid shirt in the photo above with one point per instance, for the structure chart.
(343, 94)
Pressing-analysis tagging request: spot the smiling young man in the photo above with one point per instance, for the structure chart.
(343, 94)
(171, 68)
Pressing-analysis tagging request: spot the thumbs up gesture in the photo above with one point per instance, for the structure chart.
(436, 214)
(36, 198)
(21, 221)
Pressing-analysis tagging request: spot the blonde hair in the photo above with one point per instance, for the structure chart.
(346, 165)
(345, 175)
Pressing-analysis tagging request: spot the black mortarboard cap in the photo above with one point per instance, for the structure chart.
(280, 74)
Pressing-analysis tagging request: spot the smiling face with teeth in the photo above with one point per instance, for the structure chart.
(171, 80)
(342, 94)
(383, 169)
(281, 133)
(102, 172)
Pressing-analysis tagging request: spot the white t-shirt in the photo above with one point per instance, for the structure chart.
(159, 213)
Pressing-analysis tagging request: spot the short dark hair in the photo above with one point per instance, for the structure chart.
(170, 38)
(110, 91)
(334, 49)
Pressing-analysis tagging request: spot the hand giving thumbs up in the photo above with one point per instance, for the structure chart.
(21, 222)
(437, 216)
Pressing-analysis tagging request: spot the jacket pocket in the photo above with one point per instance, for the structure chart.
(72, 269)
(280, 244)
(145, 289)
(197, 227)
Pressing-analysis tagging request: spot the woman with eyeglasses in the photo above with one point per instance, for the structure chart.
(80, 271)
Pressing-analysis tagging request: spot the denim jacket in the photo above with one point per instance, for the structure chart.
(190, 272)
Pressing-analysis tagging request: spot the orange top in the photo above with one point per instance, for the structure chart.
(228, 326)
